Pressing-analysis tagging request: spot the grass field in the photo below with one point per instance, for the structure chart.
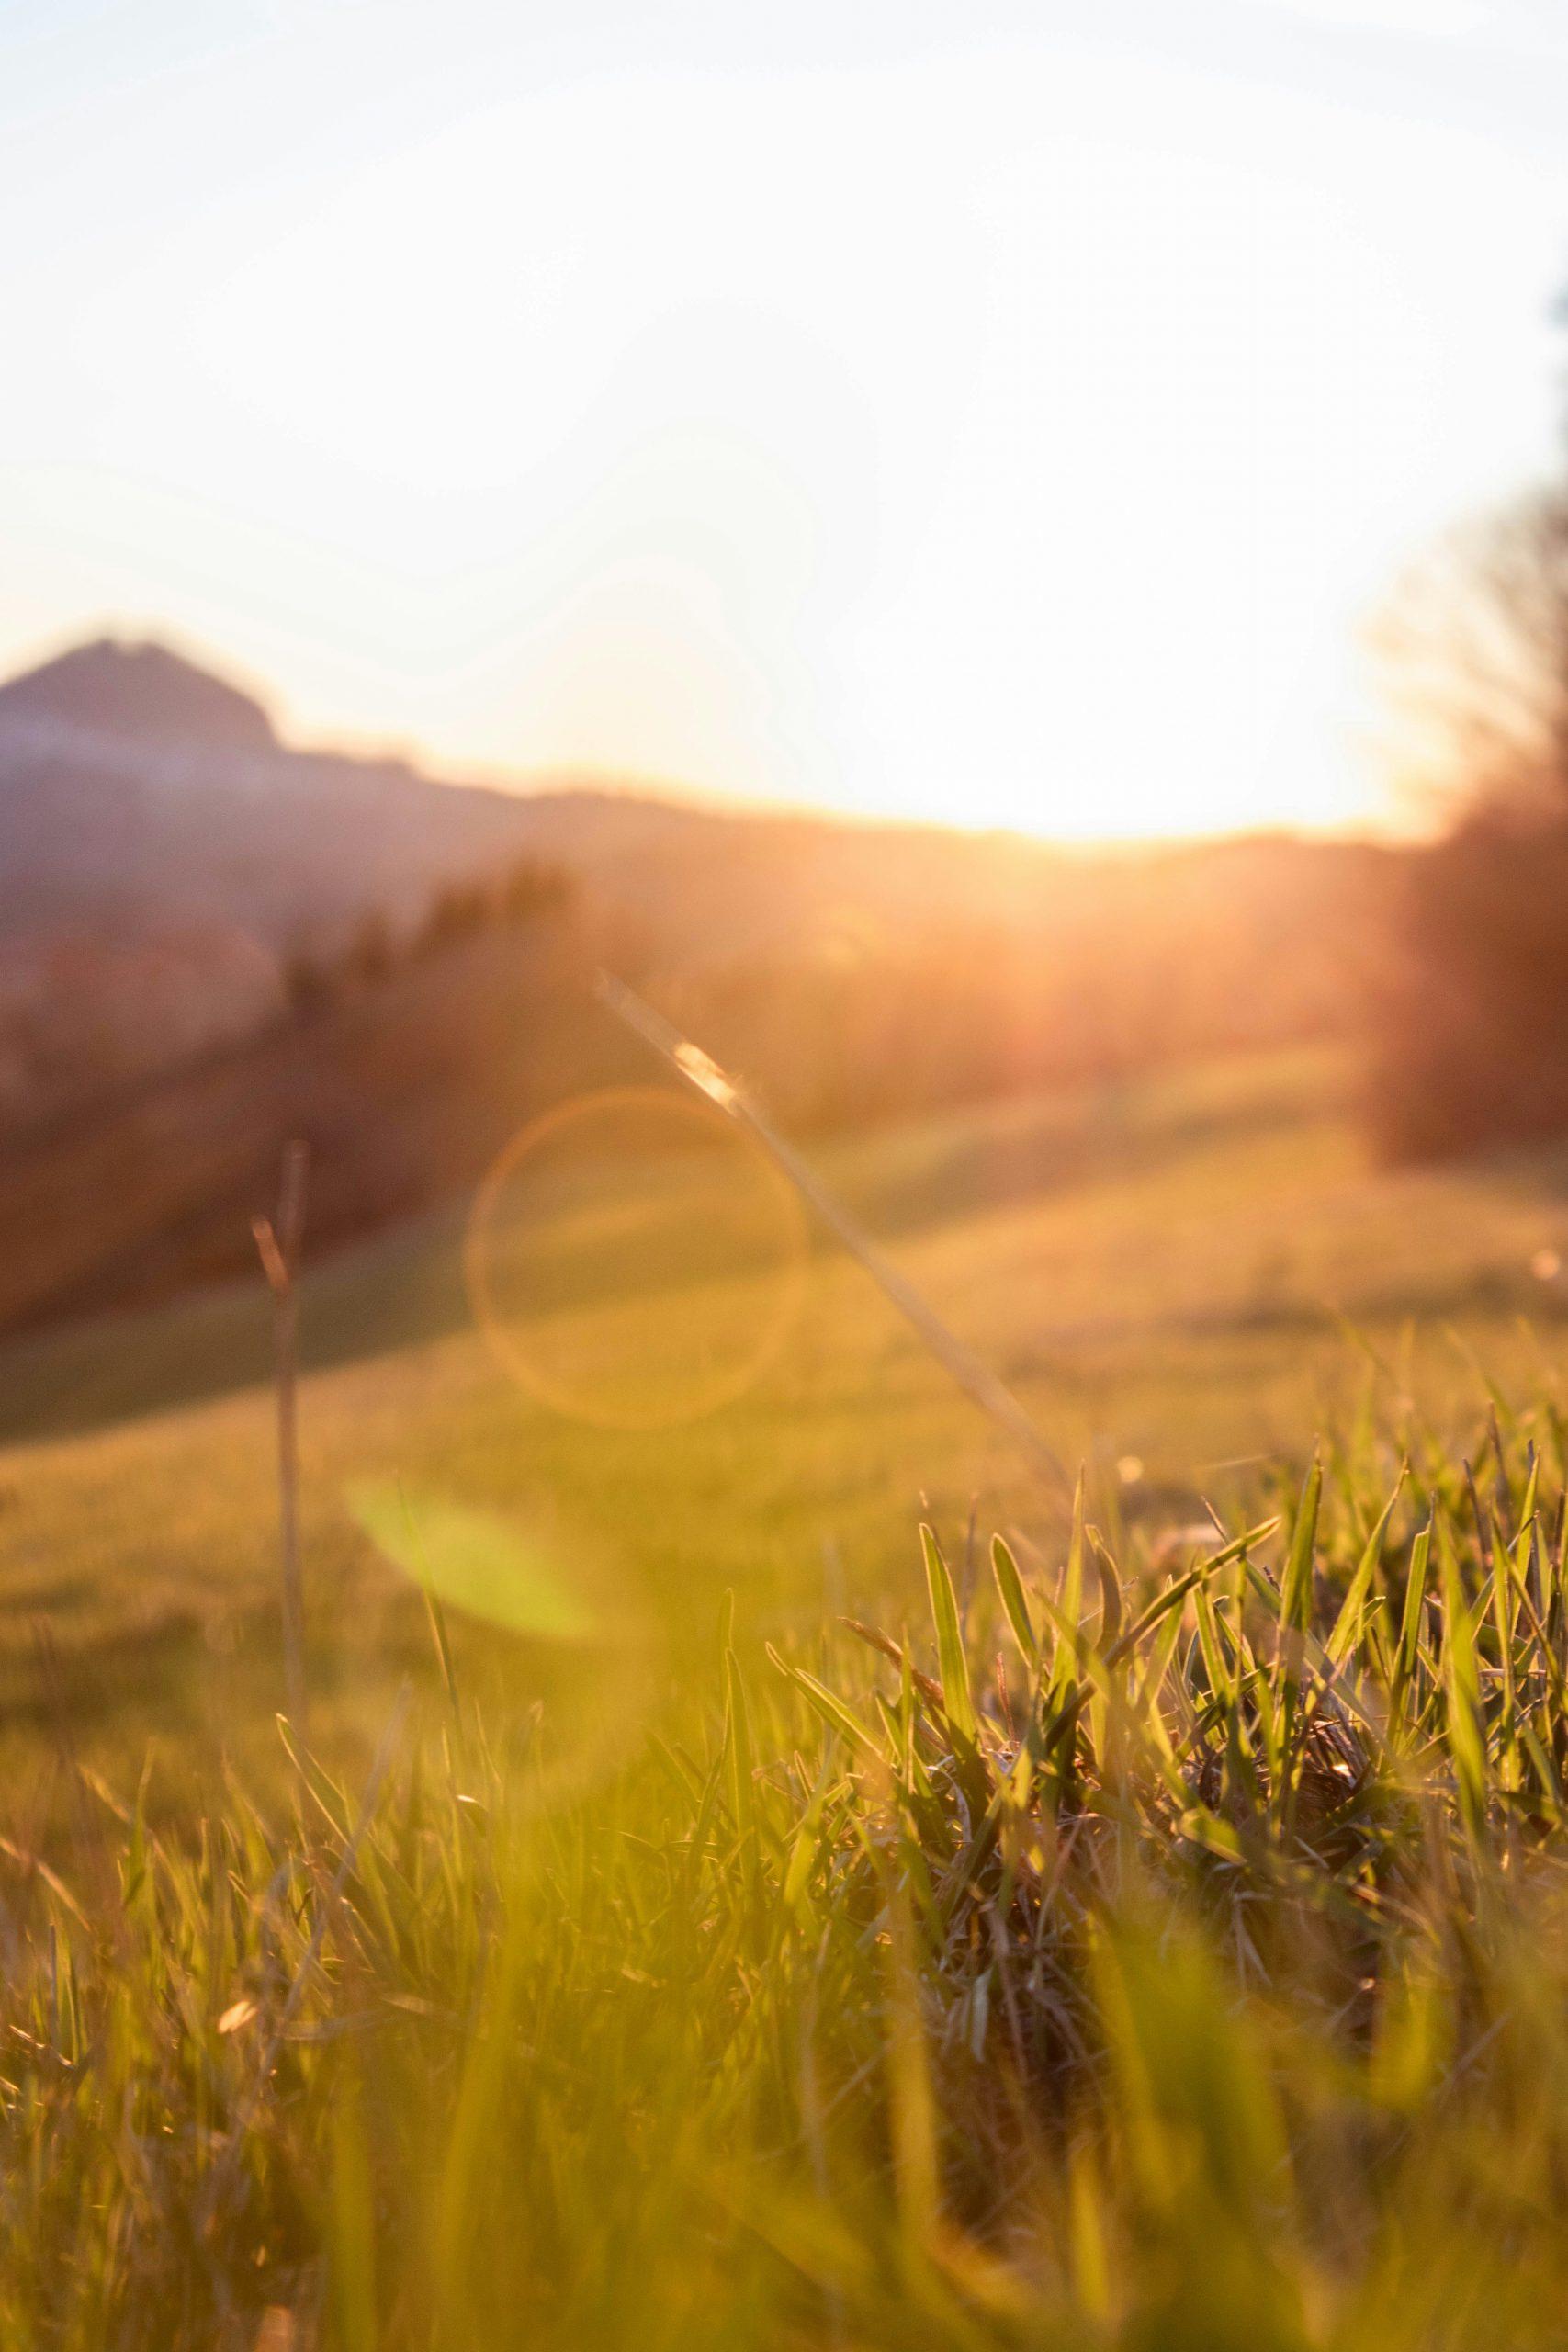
(1178, 1277)
(1148, 1938)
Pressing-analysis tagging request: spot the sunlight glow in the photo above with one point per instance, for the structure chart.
(1009, 430)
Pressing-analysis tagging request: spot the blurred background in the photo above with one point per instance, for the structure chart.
(1010, 576)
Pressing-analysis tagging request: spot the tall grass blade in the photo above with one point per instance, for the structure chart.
(951, 1659)
(1015, 1606)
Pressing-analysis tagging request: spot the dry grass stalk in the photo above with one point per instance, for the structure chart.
(278, 1240)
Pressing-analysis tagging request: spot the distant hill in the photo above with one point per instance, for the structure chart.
(89, 1007)
(164, 855)
(406, 1088)
(135, 786)
(137, 692)
(134, 783)
(404, 1092)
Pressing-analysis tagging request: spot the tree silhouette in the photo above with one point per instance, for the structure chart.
(1472, 1021)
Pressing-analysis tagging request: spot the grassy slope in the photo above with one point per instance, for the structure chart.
(1157, 1272)
(849, 970)
(1215, 2022)
(1167, 1956)
(404, 1094)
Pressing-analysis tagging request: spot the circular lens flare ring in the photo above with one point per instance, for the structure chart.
(635, 1259)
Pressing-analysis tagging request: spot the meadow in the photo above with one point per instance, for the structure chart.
(1145, 1930)
(1186, 1277)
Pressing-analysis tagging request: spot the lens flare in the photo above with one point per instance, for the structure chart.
(636, 1259)
(474, 1560)
(583, 1679)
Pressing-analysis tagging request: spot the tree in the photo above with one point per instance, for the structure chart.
(1472, 1022)
(1473, 647)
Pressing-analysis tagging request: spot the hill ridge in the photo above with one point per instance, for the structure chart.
(139, 688)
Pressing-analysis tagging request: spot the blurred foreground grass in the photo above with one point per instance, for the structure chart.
(1163, 1948)
(1152, 1939)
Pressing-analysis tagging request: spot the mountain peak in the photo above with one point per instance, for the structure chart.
(139, 691)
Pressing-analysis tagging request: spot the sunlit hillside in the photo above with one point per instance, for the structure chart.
(1177, 1278)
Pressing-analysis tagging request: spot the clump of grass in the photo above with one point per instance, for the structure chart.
(1158, 1950)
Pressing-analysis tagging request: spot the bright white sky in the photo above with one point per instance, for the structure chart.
(1001, 414)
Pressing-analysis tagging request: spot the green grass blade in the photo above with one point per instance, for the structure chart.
(953, 1666)
(1295, 1591)
(1461, 1686)
(1347, 1624)
(1009, 1587)
(1408, 1653)
(831, 1708)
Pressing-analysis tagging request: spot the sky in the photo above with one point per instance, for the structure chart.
(1004, 415)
